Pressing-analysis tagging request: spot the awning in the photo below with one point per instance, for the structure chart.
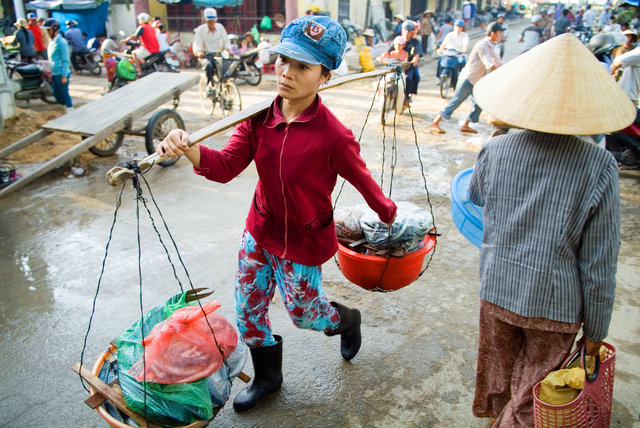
(633, 2)
(64, 4)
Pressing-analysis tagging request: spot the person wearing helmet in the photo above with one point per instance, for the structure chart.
(24, 38)
(299, 148)
(210, 38)
(76, 40)
(148, 40)
(457, 40)
(59, 55)
(38, 44)
(533, 35)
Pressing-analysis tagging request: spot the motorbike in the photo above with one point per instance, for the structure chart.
(121, 69)
(449, 66)
(241, 66)
(87, 61)
(624, 145)
(35, 81)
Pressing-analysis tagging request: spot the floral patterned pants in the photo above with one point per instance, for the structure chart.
(258, 274)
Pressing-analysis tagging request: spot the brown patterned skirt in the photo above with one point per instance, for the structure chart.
(515, 353)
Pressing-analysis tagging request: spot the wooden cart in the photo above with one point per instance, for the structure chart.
(103, 123)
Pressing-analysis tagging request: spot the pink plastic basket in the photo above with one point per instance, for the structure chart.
(592, 408)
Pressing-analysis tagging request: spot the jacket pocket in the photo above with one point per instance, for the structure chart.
(321, 221)
(259, 203)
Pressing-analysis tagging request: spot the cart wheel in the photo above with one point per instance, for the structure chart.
(108, 146)
(230, 99)
(254, 75)
(158, 127)
(206, 99)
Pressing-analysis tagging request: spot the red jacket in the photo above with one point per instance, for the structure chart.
(148, 38)
(298, 164)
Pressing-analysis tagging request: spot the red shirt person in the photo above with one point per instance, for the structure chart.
(38, 44)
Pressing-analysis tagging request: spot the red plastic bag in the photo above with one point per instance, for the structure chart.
(182, 349)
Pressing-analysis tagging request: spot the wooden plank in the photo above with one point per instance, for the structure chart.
(128, 102)
(54, 163)
(113, 395)
(23, 143)
(118, 175)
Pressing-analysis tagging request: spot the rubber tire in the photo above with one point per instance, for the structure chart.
(387, 106)
(254, 75)
(47, 93)
(112, 144)
(207, 103)
(158, 127)
(230, 99)
(94, 67)
(445, 85)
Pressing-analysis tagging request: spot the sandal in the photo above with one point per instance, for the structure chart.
(436, 130)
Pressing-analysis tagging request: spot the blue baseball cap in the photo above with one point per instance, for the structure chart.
(314, 39)
(31, 15)
(459, 23)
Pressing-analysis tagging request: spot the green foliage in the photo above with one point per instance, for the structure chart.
(626, 15)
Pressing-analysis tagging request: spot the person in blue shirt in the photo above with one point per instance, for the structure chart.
(59, 58)
(76, 40)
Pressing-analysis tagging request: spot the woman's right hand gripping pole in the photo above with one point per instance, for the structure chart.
(176, 144)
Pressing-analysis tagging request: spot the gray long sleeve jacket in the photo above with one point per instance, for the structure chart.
(551, 228)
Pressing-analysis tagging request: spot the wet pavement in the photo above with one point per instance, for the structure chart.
(417, 363)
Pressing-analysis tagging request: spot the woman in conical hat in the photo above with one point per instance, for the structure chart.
(551, 220)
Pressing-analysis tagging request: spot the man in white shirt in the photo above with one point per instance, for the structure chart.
(210, 38)
(457, 40)
(482, 58)
(589, 18)
(630, 80)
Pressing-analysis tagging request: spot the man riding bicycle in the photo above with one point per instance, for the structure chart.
(210, 38)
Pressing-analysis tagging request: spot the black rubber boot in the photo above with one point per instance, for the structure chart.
(349, 331)
(267, 366)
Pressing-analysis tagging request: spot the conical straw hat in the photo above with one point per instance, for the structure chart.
(558, 87)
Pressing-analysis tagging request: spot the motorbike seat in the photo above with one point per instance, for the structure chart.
(28, 70)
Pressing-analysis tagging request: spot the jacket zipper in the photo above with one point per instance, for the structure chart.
(284, 198)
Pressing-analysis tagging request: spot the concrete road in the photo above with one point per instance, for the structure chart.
(417, 363)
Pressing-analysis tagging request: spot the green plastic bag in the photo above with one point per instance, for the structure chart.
(255, 33)
(168, 405)
(265, 24)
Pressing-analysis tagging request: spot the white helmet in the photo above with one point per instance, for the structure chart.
(144, 17)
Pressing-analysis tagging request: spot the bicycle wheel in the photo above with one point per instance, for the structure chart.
(253, 75)
(230, 100)
(160, 124)
(108, 146)
(445, 85)
(206, 96)
(387, 105)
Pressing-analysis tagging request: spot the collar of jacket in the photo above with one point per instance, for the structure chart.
(275, 116)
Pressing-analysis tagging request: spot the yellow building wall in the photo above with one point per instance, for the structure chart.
(158, 9)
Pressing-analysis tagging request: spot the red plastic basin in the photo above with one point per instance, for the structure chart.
(373, 272)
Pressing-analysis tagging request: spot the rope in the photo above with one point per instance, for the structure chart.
(394, 159)
(139, 175)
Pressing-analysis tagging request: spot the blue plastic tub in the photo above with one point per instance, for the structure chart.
(466, 215)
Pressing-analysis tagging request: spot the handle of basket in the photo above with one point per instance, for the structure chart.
(594, 376)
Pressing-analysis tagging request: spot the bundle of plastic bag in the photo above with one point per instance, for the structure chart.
(347, 221)
(409, 229)
(562, 386)
(182, 349)
(172, 404)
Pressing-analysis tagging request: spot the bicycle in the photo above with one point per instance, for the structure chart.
(393, 98)
(222, 91)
